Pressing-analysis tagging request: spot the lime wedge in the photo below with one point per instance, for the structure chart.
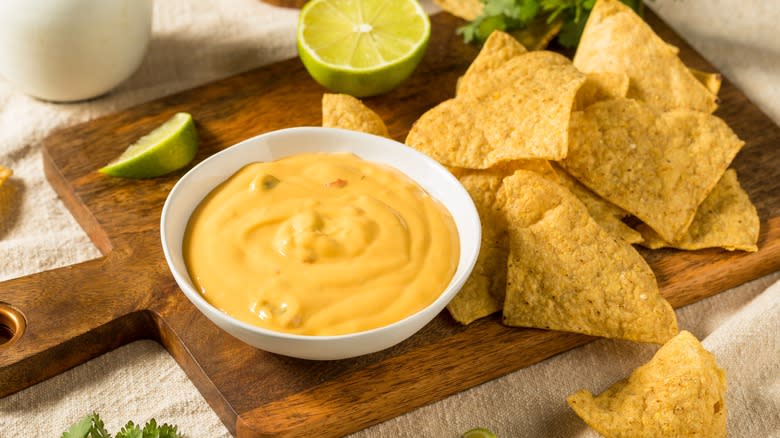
(168, 147)
(362, 47)
(479, 433)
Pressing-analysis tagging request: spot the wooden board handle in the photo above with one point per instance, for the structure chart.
(58, 319)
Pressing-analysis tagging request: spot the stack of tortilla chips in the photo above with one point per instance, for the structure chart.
(631, 134)
(556, 156)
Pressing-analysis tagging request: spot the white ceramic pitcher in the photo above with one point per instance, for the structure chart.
(69, 50)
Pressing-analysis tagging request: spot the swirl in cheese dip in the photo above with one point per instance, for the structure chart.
(320, 244)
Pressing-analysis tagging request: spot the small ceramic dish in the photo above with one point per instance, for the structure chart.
(203, 178)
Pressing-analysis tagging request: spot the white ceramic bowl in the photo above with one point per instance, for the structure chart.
(435, 179)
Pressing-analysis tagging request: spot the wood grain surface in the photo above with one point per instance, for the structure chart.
(78, 312)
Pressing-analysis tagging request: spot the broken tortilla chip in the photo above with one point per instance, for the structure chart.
(711, 81)
(566, 273)
(465, 9)
(483, 292)
(601, 86)
(616, 39)
(346, 112)
(522, 114)
(680, 392)
(606, 214)
(726, 219)
(499, 48)
(657, 166)
(5, 173)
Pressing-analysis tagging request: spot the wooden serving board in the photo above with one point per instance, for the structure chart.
(76, 313)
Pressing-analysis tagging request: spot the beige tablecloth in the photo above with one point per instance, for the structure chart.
(197, 41)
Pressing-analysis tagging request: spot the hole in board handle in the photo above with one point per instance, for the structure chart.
(12, 325)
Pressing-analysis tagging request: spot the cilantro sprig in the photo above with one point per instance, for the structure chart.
(510, 15)
(92, 426)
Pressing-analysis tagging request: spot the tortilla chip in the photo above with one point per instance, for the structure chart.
(601, 86)
(657, 166)
(616, 39)
(468, 10)
(450, 134)
(5, 173)
(523, 113)
(499, 48)
(538, 33)
(680, 392)
(566, 273)
(726, 219)
(606, 214)
(540, 167)
(483, 292)
(346, 112)
(541, 69)
(711, 81)
(507, 168)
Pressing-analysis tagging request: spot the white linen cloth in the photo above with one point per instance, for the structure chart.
(197, 41)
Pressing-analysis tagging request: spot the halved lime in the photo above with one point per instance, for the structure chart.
(168, 147)
(362, 47)
(479, 432)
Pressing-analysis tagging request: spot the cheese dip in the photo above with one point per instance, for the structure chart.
(320, 244)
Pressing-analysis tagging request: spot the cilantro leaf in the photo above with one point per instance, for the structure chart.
(99, 429)
(151, 430)
(468, 32)
(90, 426)
(169, 431)
(130, 430)
(80, 429)
(510, 15)
(527, 11)
(571, 31)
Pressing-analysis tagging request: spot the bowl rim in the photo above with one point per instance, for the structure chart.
(449, 292)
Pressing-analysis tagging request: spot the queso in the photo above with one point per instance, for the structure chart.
(320, 244)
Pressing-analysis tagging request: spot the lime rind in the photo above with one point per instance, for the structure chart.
(343, 58)
(342, 29)
(165, 149)
(479, 432)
